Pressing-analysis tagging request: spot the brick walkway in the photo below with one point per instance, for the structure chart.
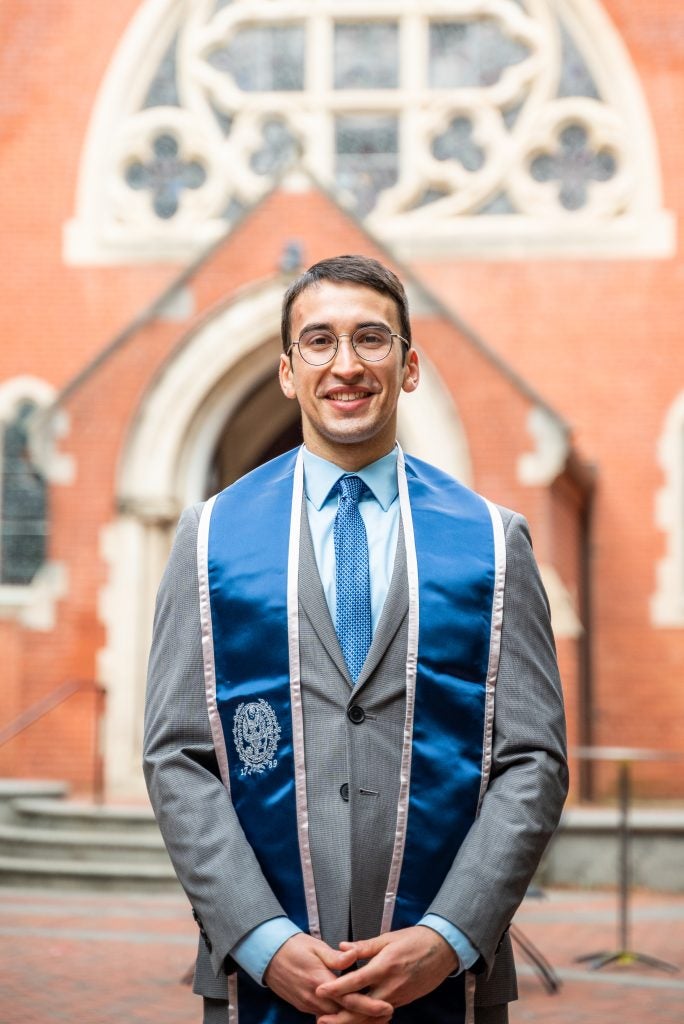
(90, 959)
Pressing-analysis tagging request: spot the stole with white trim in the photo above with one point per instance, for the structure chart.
(250, 609)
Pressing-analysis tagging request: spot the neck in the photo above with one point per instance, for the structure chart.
(349, 457)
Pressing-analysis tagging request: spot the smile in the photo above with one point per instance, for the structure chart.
(348, 396)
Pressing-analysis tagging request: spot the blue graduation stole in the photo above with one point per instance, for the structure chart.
(248, 553)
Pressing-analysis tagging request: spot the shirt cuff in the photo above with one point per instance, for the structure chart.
(462, 947)
(254, 952)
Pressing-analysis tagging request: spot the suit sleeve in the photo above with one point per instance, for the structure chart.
(528, 782)
(211, 856)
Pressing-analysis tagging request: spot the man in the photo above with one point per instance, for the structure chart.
(354, 730)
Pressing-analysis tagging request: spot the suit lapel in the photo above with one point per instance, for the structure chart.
(312, 597)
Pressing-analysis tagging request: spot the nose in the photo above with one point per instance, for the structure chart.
(346, 361)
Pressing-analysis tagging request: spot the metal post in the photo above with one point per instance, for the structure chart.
(98, 765)
(624, 791)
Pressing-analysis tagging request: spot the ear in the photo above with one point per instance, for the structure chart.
(411, 371)
(286, 376)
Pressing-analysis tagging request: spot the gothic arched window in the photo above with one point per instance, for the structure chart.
(23, 502)
(475, 126)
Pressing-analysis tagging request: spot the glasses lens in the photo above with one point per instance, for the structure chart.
(317, 347)
(372, 343)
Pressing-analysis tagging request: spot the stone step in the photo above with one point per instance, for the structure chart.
(82, 845)
(36, 872)
(18, 789)
(585, 851)
(68, 814)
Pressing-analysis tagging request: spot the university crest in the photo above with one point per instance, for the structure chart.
(256, 733)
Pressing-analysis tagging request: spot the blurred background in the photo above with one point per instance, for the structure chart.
(167, 167)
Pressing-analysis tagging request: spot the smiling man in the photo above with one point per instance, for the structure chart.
(354, 731)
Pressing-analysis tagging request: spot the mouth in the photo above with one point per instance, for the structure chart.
(348, 395)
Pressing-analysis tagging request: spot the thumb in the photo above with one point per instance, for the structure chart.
(336, 960)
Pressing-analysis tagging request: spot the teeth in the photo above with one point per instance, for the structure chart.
(346, 396)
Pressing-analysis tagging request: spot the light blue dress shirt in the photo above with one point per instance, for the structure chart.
(380, 513)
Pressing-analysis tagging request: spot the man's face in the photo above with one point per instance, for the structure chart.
(349, 407)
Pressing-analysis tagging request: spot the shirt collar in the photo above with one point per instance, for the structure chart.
(320, 476)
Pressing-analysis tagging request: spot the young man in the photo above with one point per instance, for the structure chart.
(354, 733)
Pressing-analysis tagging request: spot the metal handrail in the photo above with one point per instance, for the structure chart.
(52, 700)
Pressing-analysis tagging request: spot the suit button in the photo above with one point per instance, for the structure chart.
(356, 714)
(344, 791)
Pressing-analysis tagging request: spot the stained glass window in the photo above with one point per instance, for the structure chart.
(367, 147)
(165, 175)
(457, 143)
(461, 59)
(23, 523)
(574, 165)
(471, 53)
(264, 58)
(433, 114)
(367, 56)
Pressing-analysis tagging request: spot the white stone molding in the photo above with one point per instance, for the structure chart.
(667, 603)
(34, 604)
(164, 467)
(514, 120)
(540, 467)
(429, 427)
(20, 389)
(564, 616)
(47, 427)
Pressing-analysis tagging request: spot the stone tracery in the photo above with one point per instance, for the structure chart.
(428, 118)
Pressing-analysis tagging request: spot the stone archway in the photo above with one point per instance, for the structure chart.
(213, 413)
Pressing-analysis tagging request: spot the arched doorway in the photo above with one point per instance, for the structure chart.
(264, 426)
(215, 412)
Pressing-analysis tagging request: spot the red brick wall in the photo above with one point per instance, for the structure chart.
(600, 341)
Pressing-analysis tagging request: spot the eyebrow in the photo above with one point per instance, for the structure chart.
(322, 326)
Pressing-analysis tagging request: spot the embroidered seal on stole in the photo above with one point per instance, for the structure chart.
(256, 733)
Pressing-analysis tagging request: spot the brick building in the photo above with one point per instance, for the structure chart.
(168, 165)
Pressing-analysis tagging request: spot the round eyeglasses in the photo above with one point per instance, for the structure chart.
(370, 344)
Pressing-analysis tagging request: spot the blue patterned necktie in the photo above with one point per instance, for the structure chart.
(354, 624)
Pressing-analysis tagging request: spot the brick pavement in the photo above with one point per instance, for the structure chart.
(107, 959)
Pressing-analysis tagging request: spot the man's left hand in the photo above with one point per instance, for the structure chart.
(403, 966)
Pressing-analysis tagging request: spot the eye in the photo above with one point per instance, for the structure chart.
(317, 339)
(372, 337)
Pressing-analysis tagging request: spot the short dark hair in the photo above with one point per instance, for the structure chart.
(354, 270)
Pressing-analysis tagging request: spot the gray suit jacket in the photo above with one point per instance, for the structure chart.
(215, 863)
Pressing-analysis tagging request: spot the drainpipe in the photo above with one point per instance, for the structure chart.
(584, 475)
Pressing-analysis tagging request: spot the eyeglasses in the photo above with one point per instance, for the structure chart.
(370, 344)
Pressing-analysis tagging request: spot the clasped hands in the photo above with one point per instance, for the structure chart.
(401, 966)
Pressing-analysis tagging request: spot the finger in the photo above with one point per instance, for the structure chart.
(367, 1005)
(346, 1017)
(355, 981)
(365, 949)
(324, 1006)
(336, 960)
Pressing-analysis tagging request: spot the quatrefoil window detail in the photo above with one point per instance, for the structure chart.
(447, 125)
(575, 165)
(279, 150)
(457, 143)
(166, 175)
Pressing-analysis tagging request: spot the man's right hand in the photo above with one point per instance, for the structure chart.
(302, 964)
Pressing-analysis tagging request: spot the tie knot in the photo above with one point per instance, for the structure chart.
(351, 487)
